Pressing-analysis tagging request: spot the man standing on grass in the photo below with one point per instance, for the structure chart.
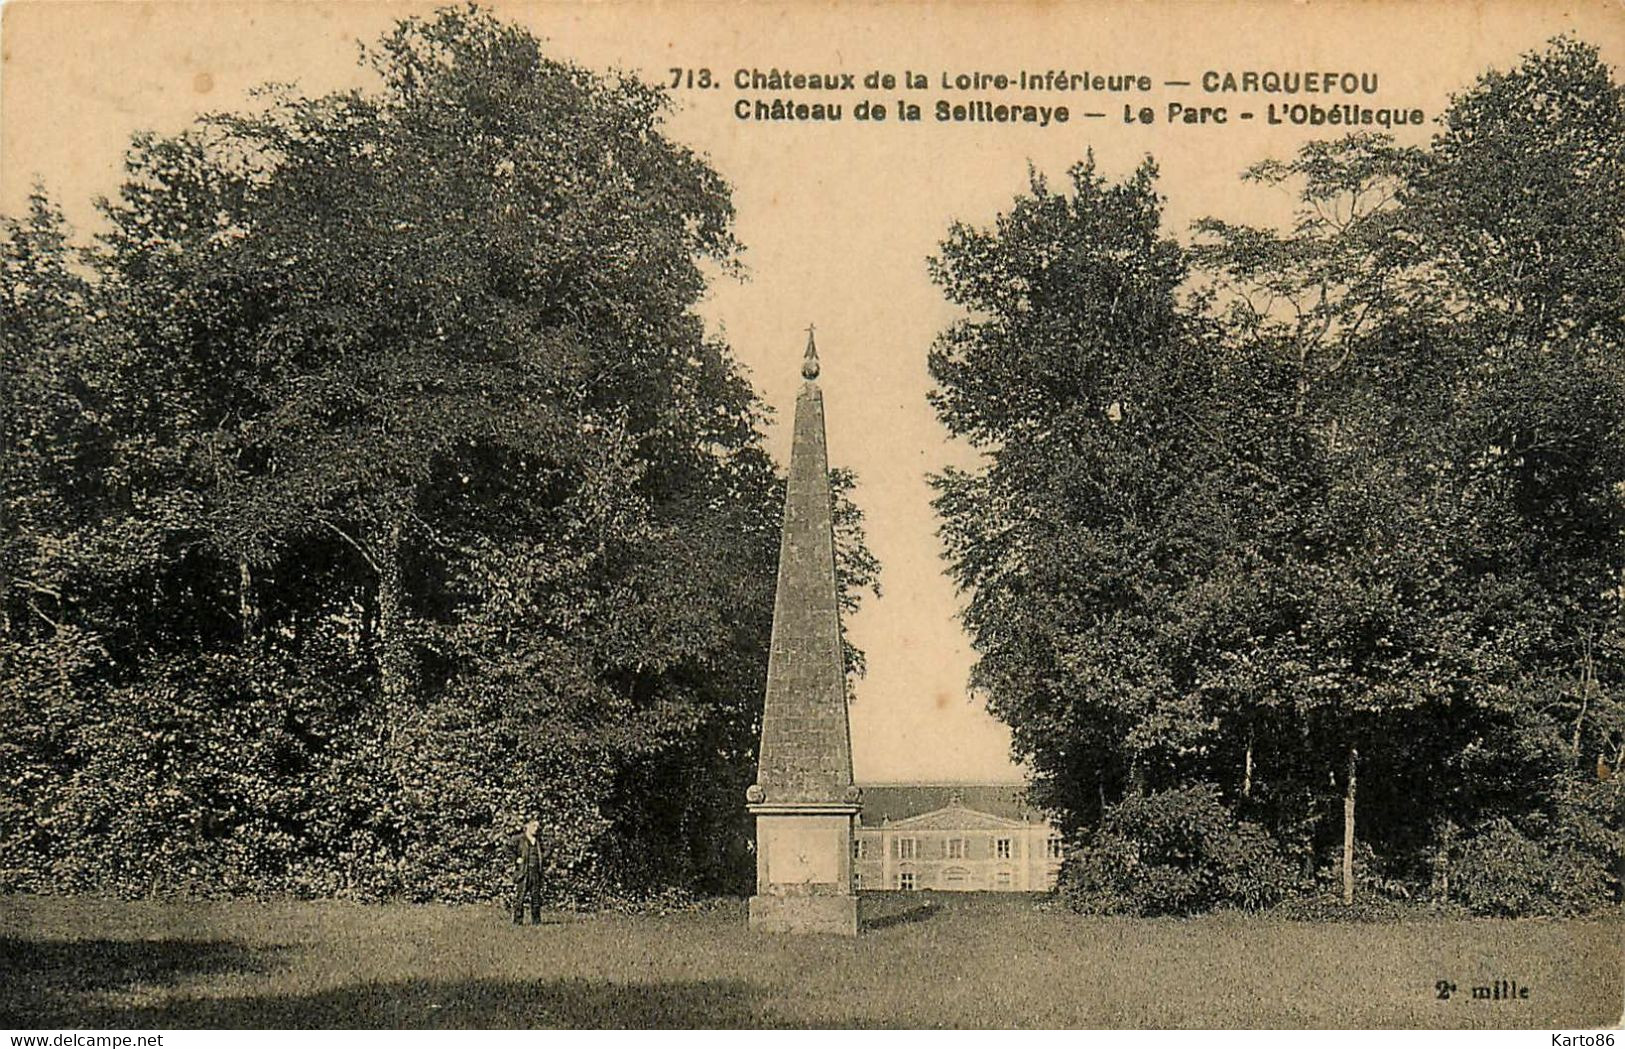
(528, 880)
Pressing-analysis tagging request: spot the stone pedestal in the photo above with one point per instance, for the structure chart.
(804, 869)
(831, 915)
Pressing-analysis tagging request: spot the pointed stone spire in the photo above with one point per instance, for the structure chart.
(806, 753)
(803, 799)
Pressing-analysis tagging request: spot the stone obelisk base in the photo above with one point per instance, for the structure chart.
(804, 868)
(834, 915)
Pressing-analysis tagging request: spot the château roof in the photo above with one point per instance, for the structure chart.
(901, 801)
(955, 817)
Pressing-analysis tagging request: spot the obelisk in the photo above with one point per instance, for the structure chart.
(803, 798)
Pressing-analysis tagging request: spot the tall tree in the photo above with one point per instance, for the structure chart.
(445, 505)
(1336, 504)
(1086, 386)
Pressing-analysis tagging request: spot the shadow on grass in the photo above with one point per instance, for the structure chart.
(482, 1003)
(101, 965)
(887, 915)
(38, 976)
(87, 983)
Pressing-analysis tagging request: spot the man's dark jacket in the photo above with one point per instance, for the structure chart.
(532, 861)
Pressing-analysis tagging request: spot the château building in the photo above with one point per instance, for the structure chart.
(953, 837)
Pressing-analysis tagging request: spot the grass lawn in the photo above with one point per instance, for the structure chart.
(967, 961)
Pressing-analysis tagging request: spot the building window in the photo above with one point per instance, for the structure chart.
(1001, 848)
(905, 848)
(955, 877)
(857, 880)
(859, 848)
(1003, 880)
(1052, 847)
(956, 848)
(905, 879)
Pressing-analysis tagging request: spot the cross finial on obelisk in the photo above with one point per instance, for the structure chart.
(809, 363)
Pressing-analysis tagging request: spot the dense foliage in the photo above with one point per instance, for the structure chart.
(371, 482)
(1175, 852)
(1320, 524)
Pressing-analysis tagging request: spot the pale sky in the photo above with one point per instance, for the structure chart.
(837, 219)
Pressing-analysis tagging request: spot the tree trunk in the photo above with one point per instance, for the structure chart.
(394, 671)
(1301, 400)
(1588, 683)
(248, 613)
(1444, 867)
(1247, 769)
(1348, 830)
